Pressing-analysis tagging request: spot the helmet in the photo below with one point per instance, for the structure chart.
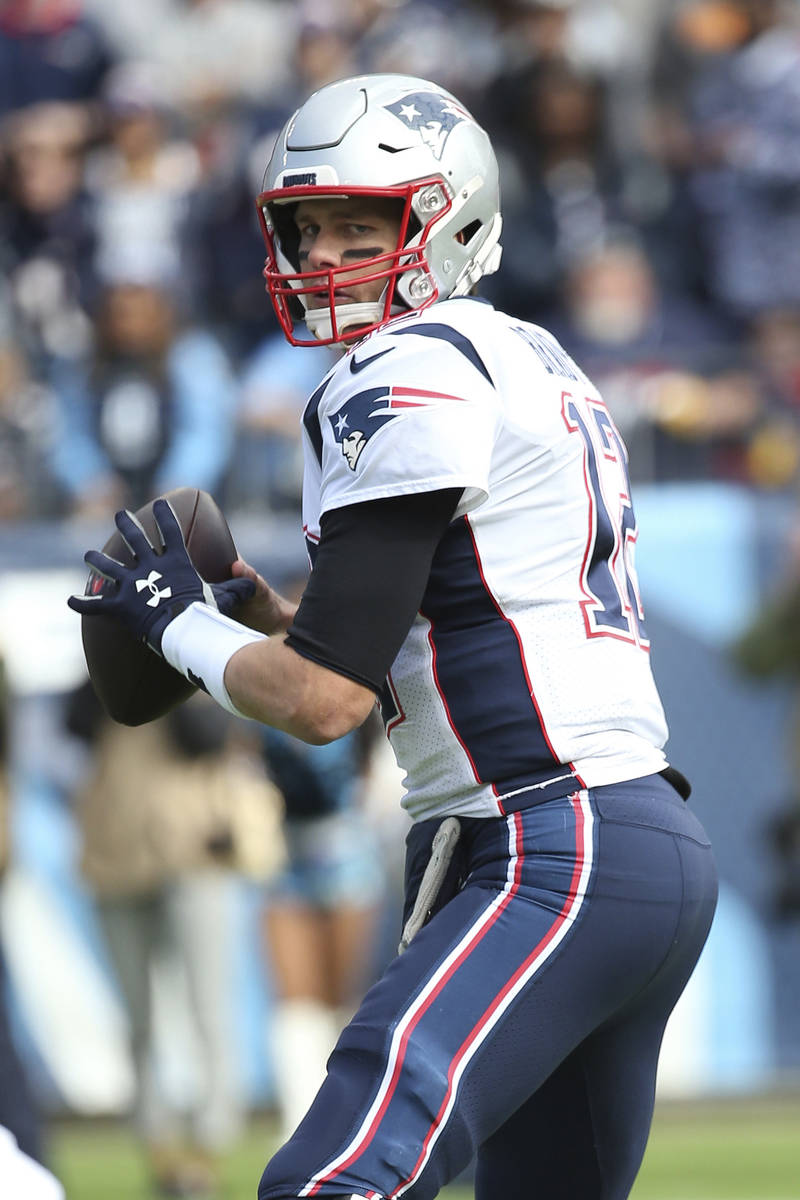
(382, 136)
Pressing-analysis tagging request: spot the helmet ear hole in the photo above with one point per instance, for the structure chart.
(465, 235)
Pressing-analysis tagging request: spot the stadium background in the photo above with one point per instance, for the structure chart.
(710, 404)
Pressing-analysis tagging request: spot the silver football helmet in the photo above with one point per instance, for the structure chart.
(382, 136)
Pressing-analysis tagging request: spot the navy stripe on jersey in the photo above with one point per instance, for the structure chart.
(311, 419)
(481, 674)
(446, 333)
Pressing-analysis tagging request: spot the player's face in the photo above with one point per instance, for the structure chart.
(336, 232)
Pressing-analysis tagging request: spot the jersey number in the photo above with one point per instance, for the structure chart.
(611, 606)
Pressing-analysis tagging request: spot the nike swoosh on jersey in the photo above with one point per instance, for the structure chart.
(355, 367)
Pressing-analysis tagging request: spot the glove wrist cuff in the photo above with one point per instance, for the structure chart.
(199, 643)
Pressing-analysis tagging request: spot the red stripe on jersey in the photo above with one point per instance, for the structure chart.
(410, 391)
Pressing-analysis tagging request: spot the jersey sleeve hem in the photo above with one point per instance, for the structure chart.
(472, 497)
(306, 649)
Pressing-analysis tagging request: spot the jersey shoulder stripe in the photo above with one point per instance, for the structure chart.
(447, 333)
(311, 418)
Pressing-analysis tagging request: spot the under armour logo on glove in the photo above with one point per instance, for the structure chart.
(182, 584)
(156, 596)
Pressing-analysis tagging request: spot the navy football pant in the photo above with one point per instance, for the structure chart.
(523, 1023)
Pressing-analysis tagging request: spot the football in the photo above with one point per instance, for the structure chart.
(133, 684)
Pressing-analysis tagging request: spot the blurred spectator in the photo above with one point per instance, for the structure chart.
(223, 54)
(131, 28)
(46, 239)
(18, 1113)
(416, 37)
(670, 371)
(564, 182)
(26, 420)
(141, 177)
(773, 342)
(225, 248)
(276, 382)
(532, 30)
(728, 93)
(220, 56)
(321, 914)
(172, 814)
(224, 61)
(606, 38)
(693, 37)
(153, 406)
(324, 49)
(591, 34)
(775, 337)
(49, 51)
(223, 259)
(769, 648)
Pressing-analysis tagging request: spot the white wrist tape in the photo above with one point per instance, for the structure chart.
(200, 642)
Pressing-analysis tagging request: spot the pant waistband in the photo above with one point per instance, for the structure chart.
(559, 788)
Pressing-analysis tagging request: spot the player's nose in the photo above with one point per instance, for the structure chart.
(325, 253)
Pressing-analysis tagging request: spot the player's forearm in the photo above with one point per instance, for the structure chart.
(262, 677)
(269, 682)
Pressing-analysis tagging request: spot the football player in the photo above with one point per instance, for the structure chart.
(468, 515)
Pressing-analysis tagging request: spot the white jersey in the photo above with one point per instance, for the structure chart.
(526, 672)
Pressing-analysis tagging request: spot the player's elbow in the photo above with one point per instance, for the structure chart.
(332, 713)
(271, 683)
(323, 704)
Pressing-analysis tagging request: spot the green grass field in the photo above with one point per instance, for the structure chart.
(731, 1150)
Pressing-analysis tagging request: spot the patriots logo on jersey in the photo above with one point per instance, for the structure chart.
(431, 116)
(366, 412)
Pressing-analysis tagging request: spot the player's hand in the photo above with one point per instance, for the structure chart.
(155, 588)
(267, 610)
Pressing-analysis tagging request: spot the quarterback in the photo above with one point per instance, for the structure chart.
(469, 521)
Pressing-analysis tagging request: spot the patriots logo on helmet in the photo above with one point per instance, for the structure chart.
(432, 116)
(366, 412)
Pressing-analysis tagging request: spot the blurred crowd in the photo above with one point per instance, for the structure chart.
(650, 171)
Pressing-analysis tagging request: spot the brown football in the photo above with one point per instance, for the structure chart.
(133, 684)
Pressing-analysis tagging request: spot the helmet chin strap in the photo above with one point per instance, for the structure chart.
(348, 316)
